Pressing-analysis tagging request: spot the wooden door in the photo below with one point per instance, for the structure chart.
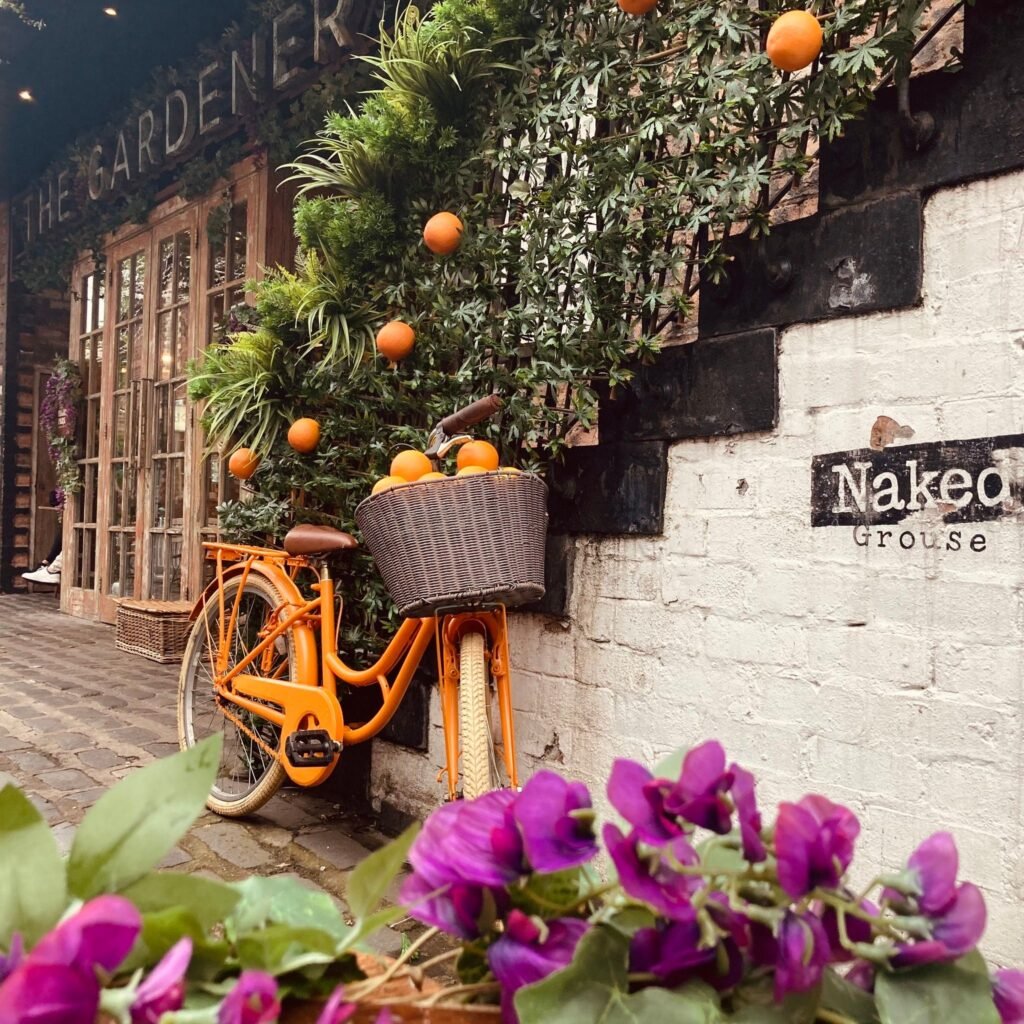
(45, 518)
(80, 578)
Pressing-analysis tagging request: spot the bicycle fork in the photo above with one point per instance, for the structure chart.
(450, 630)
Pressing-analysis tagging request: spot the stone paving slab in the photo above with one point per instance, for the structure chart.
(76, 715)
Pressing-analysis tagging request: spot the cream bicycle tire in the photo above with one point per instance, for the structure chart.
(474, 722)
(188, 734)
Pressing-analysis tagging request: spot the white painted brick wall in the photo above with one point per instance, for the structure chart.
(888, 679)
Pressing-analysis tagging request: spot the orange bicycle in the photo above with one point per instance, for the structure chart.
(262, 665)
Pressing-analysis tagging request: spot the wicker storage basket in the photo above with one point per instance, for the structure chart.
(157, 630)
(459, 543)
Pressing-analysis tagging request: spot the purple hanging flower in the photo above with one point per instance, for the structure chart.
(336, 1010)
(529, 951)
(673, 953)
(101, 934)
(640, 798)
(14, 956)
(653, 878)
(744, 796)
(456, 909)
(556, 820)
(857, 930)
(862, 975)
(1008, 992)
(803, 954)
(699, 796)
(955, 932)
(253, 1000)
(814, 842)
(163, 991)
(934, 865)
(49, 994)
(471, 842)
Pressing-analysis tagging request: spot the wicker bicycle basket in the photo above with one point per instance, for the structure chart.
(459, 543)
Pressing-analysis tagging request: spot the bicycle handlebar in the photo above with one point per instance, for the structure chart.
(479, 411)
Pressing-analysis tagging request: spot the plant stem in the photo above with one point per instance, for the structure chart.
(372, 984)
(828, 1017)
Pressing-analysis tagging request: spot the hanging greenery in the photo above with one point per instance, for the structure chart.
(58, 417)
(598, 161)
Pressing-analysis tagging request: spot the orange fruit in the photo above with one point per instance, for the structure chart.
(395, 340)
(471, 470)
(304, 435)
(794, 41)
(443, 233)
(478, 453)
(385, 483)
(411, 465)
(638, 7)
(433, 476)
(243, 463)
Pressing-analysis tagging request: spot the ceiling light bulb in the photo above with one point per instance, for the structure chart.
(26, 95)
(110, 12)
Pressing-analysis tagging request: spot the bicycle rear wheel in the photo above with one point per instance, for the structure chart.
(249, 772)
(479, 763)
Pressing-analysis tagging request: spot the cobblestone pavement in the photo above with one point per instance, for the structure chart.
(76, 715)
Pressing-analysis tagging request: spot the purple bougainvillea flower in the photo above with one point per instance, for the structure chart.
(13, 957)
(49, 994)
(101, 934)
(814, 842)
(653, 878)
(857, 930)
(253, 1000)
(673, 953)
(455, 909)
(744, 796)
(164, 990)
(803, 954)
(1008, 991)
(384, 1017)
(955, 932)
(934, 865)
(336, 1010)
(699, 796)
(640, 798)
(862, 974)
(529, 951)
(471, 842)
(556, 822)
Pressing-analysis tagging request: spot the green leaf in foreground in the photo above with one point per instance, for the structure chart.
(593, 990)
(131, 828)
(936, 994)
(370, 881)
(33, 886)
(839, 996)
(208, 901)
(284, 901)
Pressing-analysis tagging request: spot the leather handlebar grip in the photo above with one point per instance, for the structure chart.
(479, 411)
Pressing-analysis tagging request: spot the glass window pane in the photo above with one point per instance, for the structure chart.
(181, 347)
(114, 568)
(172, 592)
(117, 493)
(124, 289)
(179, 419)
(131, 488)
(120, 426)
(156, 565)
(165, 345)
(87, 299)
(176, 487)
(166, 272)
(160, 494)
(237, 240)
(160, 419)
(124, 338)
(91, 492)
(139, 292)
(184, 263)
(129, 576)
(101, 300)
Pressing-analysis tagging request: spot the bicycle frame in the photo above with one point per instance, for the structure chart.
(310, 700)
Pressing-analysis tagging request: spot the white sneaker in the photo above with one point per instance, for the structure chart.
(45, 574)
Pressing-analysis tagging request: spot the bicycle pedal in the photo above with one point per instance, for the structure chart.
(311, 748)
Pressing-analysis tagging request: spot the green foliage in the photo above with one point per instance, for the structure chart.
(598, 162)
(33, 883)
(127, 832)
(959, 993)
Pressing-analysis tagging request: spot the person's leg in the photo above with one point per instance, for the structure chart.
(49, 571)
(54, 553)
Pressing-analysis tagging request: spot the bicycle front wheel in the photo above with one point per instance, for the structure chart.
(479, 765)
(250, 771)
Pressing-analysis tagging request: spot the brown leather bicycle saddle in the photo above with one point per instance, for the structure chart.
(310, 539)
